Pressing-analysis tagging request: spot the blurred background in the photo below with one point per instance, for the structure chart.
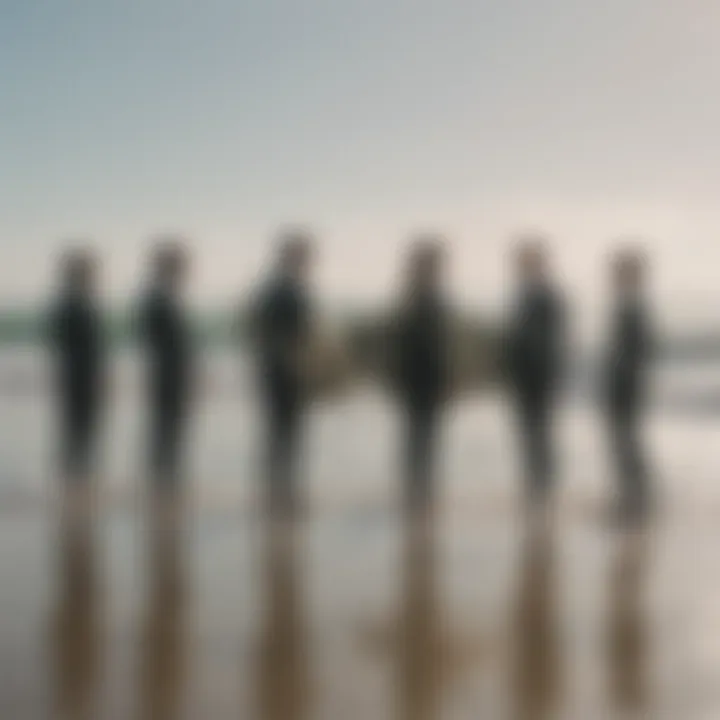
(365, 121)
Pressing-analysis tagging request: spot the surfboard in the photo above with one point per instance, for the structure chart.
(347, 355)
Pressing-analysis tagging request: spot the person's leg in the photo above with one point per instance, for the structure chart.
(544, 451)
(155, 438)
(621, 445)
(77, 432)
(279, 445)
(292, 449)
(615, 444)
(87, 436)
(175, 447)
(157, 442)
(164, 442)
(529, 427)
(634, 470)
(74, 439)
(411, 453)
(535, 414)
(428, 445)
(419, 454)
(68, 445)
(286, 428)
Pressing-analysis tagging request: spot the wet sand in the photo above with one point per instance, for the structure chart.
(354, 613)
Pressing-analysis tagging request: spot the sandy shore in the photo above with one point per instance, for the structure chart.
(352, 613)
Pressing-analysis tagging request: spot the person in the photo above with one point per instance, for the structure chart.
(76, 336)
(533, 359)
(280, 321)
(165, 334)
(421, 366)
(626, 368)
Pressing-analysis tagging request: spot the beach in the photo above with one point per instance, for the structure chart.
(349, 612)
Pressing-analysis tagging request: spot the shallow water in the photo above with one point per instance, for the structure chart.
(350, 614)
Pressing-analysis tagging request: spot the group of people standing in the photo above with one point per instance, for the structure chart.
(419, 364)
(535, 356)
(79, 343)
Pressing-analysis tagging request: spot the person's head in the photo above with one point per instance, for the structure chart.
(531, 259)
(169, 263)
(628, 267)
(425, 262)
(294, 254)
(78, 270)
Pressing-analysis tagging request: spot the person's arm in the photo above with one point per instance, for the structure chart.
(240, 324)
(395, 341)
(638, 339)
(256, 319)
(101, 341)
(648, 336)
(297, 331)
(447, 359)
(507, 352)
(636, 344)
(143, 321)
(54, 330)
(560, 340)
(303, 321)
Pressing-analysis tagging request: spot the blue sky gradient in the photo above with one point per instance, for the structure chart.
(367, 118)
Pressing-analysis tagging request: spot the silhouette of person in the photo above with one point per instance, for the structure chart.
(75, 329)
(533, 355)
(421, 366)
(283, 681)
(280, 324)
(165, 333)
(626, 368)
(77, 623)
(626, 632)
(163, 638)
(537, 661)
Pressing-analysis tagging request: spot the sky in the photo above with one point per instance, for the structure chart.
(367, 120)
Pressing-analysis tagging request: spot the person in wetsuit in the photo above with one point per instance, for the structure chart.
(76, 336)
(626, 369)
(534, 349)
(280, 324)
(420, 350)
(165, 335)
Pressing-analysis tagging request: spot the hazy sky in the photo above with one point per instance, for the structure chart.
(366, 118)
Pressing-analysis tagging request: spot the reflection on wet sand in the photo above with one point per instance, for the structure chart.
(626, 631)
(163, 641)
(536, 682)
(422, 648)
(522, 671)
(283, 673)
(76, 633)
(426, 656)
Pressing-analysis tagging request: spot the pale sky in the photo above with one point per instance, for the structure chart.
(366, 119)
